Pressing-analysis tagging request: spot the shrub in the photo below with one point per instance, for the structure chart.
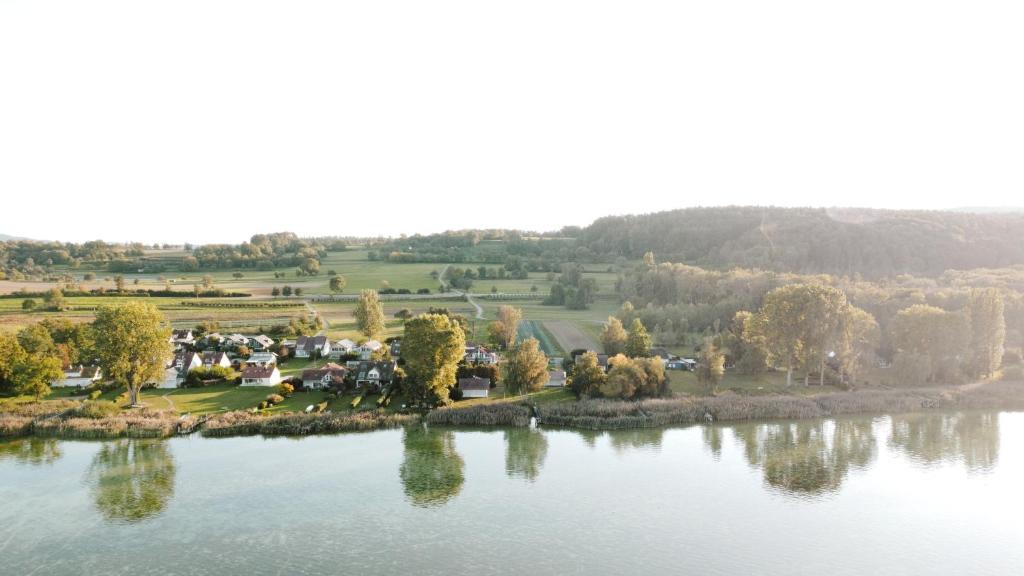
(95, 394)
(356, 401)
(274, 399)
(285, 389)
(96, 409)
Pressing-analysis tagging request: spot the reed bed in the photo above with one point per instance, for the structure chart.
(130, 424)
(12, 425)
(613, 415)
(241, 423)
(497, 414)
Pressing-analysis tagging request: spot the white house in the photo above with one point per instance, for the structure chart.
(261, 358)
(307, 346)
(185, 362)
(475, 387)
(366, 349)
(235, 341)
(261, 376)
(79, 376)
(343, 346)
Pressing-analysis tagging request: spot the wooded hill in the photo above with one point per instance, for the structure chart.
(845, 241)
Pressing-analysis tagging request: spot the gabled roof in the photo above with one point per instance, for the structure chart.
(336, 372)
(260, 372)
(384, 368)
(213, 358)
(311, 343)
(345, 344)
(474, 383)
(264, 340)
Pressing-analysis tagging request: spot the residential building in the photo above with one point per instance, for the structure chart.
(261, 358)
(328, 375)
(308, 346)
(260, 343)
(261, 376)
(556, 379)
(373, 374)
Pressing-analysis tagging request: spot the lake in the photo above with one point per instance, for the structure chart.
(938, 493)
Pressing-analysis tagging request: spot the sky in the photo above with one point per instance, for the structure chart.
(212, 120)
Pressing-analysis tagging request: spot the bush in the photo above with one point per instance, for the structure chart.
(274, 399)
(95, 394)
(96, 409)
(285, 389)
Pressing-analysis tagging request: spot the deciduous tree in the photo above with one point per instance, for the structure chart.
(131, 342)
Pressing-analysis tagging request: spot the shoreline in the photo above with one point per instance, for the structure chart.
(594, 415)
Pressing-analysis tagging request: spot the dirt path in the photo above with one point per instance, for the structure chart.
(569, 335)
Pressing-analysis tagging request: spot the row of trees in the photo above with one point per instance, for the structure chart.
(814, 329)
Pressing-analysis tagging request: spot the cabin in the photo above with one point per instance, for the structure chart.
(261, 376)
(261, 359)
(310, 346)
(328, 375)
(373, 375)
(475, 387)
(556, 379)
(79, 376)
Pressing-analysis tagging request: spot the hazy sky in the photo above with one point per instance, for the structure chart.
(209, 120)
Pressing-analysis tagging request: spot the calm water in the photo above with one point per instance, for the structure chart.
(920, 494)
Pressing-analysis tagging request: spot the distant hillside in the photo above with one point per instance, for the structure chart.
(872, 243)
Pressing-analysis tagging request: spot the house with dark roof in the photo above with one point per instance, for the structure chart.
(475, 387)
(261, 376)
(186, 361)
(326, 376)
(373, 374)
(308, 346)
(211, 359)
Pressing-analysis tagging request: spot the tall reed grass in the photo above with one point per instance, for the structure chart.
(497, 414)
(242, 423)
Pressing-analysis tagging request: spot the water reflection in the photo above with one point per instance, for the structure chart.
(32, 450)
(432, 471)
(970, 437)
(807, 457)
(132, 480)
(525, 451)
(712, 436)
(636, 438)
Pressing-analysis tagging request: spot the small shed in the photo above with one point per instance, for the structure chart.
(475, 387)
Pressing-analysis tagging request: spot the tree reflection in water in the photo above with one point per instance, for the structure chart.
(31, 450)
(432, 471)
(525, 451)
(624, 440)
(808, 457)
(712, 435)
(970, 437)
(132, 480)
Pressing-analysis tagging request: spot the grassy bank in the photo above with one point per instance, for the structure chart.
(91, 420)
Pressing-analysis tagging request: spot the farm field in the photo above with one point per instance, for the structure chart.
(569, 336)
